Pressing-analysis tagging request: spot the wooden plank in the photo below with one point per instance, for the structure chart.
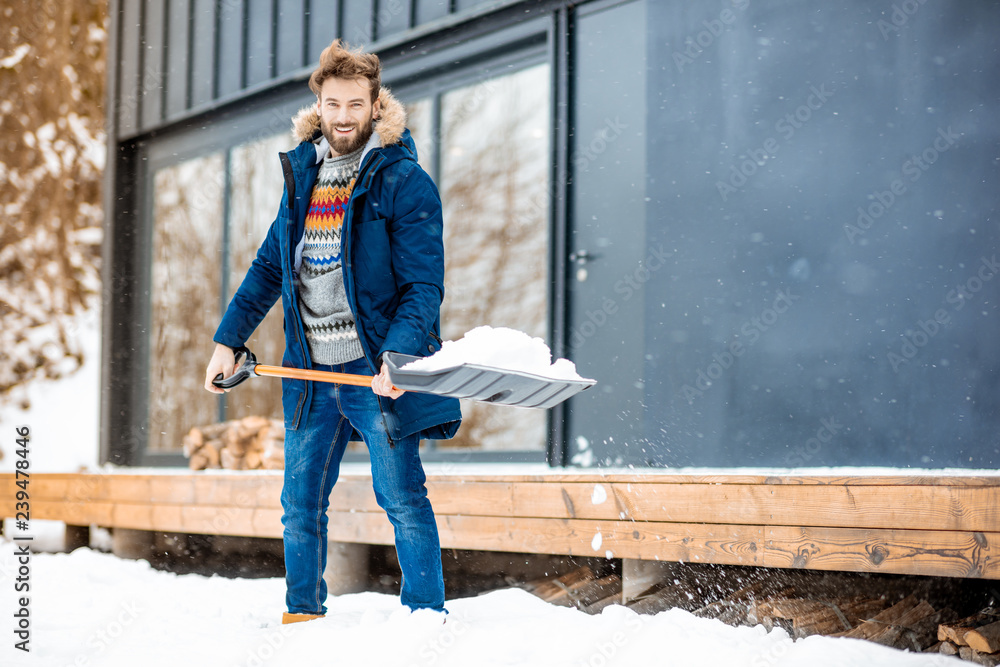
(75, 513)
(267, 523)
(449, 497)
(218, 521)
(238, 490)
(733, 545)
(129, 515)
(129, 488)
(925, 552)
(655, 476)
(558, 477)
(920, 507)
(174, 490)
(166, 518)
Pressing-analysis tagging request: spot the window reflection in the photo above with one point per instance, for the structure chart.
(256, 184)
(494, 182)
(186, 277)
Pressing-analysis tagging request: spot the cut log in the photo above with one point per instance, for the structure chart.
(955, 632)
(659, 599)
(558, 588)
(975, 657)
(947, 648)
(193, 441)
(230, 461)
(903, 635)
(590, 592)
(985, 639)
(827, 620)
(252, 460)
(908, 624)
(248, 427)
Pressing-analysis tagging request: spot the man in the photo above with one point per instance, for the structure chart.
(356, 255)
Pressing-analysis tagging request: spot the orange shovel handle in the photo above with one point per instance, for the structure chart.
(317, 376)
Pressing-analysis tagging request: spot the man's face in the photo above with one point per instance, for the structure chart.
(346, 113)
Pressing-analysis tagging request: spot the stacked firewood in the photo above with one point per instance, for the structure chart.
(581, 588)
(240, 444)
(976, 638)
(911, 624)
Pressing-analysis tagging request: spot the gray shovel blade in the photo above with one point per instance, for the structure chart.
(483, 383)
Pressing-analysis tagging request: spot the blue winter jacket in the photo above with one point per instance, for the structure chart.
(393, 262)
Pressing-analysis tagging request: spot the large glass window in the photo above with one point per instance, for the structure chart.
(784, 218)
(186, 283)
(491, 155)
(256, 184)
(486, 142)
(207, 226)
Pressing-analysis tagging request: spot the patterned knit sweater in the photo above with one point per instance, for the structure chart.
(329, 323)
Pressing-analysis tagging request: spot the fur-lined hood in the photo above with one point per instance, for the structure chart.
(389, 126)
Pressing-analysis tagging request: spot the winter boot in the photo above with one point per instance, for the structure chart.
(287, 618)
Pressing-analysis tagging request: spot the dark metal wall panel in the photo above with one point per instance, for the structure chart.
(229, 61)
(322, 21)
(129, 63)
(260, 30)
(392, 17)
(178, 56)
(202, 51)
(153, 47)
(431, 10)
(357, 17)
(290, 45)
(463, 5)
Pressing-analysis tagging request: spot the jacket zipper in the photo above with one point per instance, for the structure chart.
(289, 175)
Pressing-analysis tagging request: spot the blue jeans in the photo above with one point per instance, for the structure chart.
(312, 462)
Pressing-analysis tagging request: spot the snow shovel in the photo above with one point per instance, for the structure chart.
(470, 381)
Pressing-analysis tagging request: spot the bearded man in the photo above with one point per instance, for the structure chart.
(357, 257)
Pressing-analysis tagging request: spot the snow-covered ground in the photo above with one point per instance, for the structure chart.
(63, 415)
(93, 609)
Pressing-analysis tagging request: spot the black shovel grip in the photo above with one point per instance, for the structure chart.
(242, 372)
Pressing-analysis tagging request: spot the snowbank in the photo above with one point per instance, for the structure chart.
(89, 608)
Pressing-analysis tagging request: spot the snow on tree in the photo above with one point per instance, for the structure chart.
(52, 77)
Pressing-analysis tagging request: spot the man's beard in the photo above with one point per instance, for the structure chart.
(345, 145)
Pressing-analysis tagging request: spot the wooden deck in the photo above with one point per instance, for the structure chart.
(933, 525)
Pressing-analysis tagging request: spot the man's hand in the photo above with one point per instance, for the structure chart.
(382, 385)
(223, 361)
